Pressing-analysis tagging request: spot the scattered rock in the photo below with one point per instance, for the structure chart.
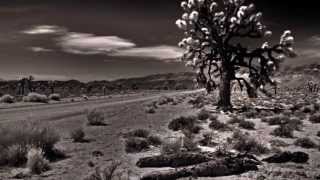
(284, 157)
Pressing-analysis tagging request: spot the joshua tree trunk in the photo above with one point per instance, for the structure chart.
(225, 90)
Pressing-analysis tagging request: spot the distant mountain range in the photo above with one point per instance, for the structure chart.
(171, 81)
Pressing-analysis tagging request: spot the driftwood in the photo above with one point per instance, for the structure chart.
(174, 160)
(214, 168)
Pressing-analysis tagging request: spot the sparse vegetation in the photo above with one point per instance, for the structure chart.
(141, 133)
(218, 125)
(55, 97)
(154, 140)
(136, 144)
(77, 135)
(203, 115)
(111, 172)
(235, 119)
(245, 143)
(305, 143)
(95, 117)
(7, 98)
(182, 122)
(36, 162)
(315, 118)
(36, 98)
(247, 125)
(284, 130)
(16, 141)
(171, 146)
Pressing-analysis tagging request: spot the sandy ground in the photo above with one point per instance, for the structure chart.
(127, 113)
(122, 114)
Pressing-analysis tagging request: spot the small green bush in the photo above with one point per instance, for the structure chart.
(77, 135)
(220, 126)
(136, 144)
(55, 97)
(284, 130)
(7, 99)
(154, 140)
(182, 123)
(95, 117)
(247, 125)
(171, 146)
(315, 118)
(203, 115)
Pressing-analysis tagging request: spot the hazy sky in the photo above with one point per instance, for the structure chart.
(108, 39)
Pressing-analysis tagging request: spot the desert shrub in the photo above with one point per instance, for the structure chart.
(15, 155)
(142, 133)
(305, 143)
(150, 110)
(213, 117)
(295, 123)
(284, 130)
(36, 97)
(218, 125)
(95, 117)
(154, 140)
(251, 113)
(171, 146)
(207, 140)
(247, 144)
(203, 115)
(136, 144)
(7, 99)
(247, 125)
(36, 162)
(15, 141)
(315, 118)
(190, 144)
(235, 119)
(77, 135)
(182, 123)
(55, 97)
(277, 120)
(165, 100)
(108, 173)
(278, 143)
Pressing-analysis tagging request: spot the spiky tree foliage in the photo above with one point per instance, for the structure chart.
(214, 42)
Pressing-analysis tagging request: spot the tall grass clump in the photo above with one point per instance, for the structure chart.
(15, 141)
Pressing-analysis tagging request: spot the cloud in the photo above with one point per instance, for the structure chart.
(44, 29)
(40, 49)
(88, 44)
(155, 52)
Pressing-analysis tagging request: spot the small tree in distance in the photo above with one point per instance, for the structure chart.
(214, 42)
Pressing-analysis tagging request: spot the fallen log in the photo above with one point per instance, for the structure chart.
(174, 160)
(284, 157)
(214, 168)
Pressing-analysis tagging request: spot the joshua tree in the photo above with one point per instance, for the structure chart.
(215, 36)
